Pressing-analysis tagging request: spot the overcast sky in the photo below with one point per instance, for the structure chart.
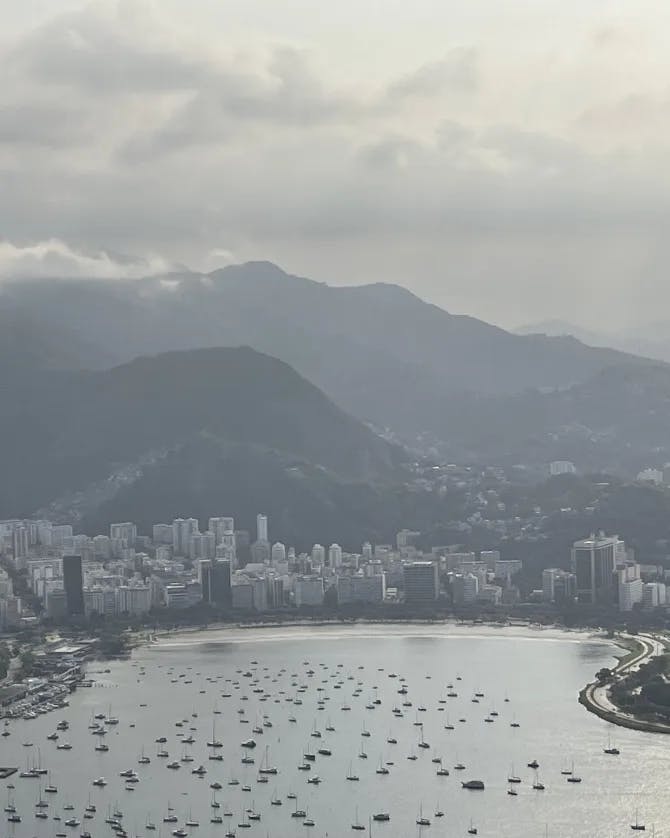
(503, 158)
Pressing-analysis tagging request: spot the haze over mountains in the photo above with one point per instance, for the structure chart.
(75, 441)
(651, 339)
(377, 352)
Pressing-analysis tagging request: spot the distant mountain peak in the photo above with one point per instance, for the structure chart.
(257, 267)
(254, 271)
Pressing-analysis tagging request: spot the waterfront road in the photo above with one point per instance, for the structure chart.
(595, 697)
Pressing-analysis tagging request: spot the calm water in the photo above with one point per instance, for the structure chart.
(540, 673)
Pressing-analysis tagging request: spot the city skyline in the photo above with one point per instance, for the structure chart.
(125, 573)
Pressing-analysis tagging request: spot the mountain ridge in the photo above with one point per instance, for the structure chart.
(378, 350)
(63, 431)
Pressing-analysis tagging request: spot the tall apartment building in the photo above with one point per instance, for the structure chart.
(221, 526)
(261, 528)
(465, 588)
(73, 583)
(278, 553)
(182, 530)
(334, 556)
(126, 532)
(422, 582)
(594, 560)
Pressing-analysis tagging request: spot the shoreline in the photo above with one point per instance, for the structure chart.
(595, 695)
(235, 631)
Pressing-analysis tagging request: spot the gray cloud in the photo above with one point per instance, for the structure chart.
(121, 133)
(101, 52)
(42, 124)
(456, 72)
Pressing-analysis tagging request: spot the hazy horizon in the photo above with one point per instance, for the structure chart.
(503, 161)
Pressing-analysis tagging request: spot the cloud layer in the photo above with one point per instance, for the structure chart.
(510, 181)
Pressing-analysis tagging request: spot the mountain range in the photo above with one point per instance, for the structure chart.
(379, 351)
(115, 395)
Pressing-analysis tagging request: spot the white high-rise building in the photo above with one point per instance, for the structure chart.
(548, 577)
(334, 556)
(20, 544)
(278, 552)
(126, 532)
(220, 527)
(44, 529)
(653, 595)
(319, 554)
(227, 548)
(630, 593)
(261, 528)
(133, 599)
(182, 530)
(465, 588)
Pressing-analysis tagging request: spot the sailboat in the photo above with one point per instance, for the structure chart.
(214, 742)
(170, 817)
(421, 820)
(190, 821)
(266, 768)
(473, 829)
(573, 778)
(357, 824)
(381, 768)
(612, 750)
(640, 827)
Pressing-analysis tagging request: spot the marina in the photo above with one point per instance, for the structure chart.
(398, 731)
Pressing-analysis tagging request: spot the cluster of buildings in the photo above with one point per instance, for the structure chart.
(604, 572)
(180, 565)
